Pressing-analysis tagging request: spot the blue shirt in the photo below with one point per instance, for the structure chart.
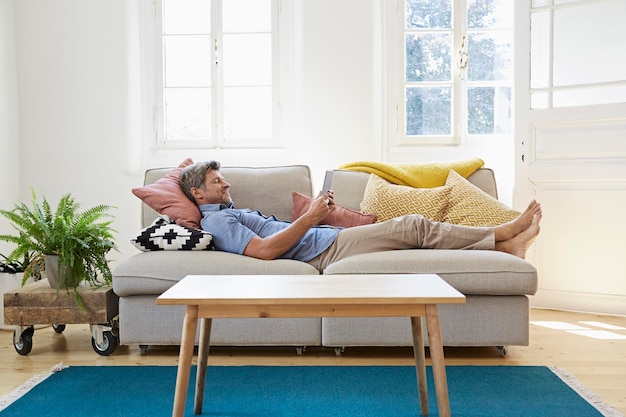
(232, 230)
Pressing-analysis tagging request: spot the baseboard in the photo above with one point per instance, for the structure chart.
(577, 301)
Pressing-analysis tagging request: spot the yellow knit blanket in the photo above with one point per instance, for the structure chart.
(418, 175)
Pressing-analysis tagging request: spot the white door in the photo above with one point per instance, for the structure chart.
(571, 148)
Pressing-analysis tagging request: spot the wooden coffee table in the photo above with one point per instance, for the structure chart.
(249, 296)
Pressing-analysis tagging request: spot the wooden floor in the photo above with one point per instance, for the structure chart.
(600, 364)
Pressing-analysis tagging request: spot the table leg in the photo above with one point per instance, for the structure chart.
(436, 356)
(184, 361)
(420, 363)
(203, 359)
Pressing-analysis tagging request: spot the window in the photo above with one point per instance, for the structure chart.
(450, 71)
(218, 78)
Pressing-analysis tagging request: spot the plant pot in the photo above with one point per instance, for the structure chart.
(9, 282)
(57, 279)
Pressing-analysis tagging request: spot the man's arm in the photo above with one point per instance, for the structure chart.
(271, 247)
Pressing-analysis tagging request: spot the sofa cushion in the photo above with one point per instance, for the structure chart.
(387, 200)
(478, 272)
(166, 197)
(164, 234)
(267, 189)
(340, 217)
(469, 205)
(155, 272)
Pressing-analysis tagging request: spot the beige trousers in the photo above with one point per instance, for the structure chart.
(407, 232)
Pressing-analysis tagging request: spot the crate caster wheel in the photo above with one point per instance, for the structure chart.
(104, 342)
(339, 351)
(58, 328)
(143, 349)
(108, 345)
(502, 350)
(300, 350)
(24, 342)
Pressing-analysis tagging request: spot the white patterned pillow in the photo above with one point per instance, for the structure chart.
(164, 234)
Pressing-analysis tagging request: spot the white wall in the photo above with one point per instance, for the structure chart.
(9, 135)
(73, 82)
(78, 71)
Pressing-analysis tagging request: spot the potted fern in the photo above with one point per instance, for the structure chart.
(66, 240)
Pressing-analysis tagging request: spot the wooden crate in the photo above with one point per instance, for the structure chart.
(37, 303)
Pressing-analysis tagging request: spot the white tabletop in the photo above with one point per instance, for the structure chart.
(370, 289)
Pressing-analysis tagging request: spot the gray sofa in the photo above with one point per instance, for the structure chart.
(497, 285)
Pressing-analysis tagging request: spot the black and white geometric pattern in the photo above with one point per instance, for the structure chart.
(164, 234)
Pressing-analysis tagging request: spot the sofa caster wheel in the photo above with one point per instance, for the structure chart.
(339, 351)
(143, 349)
(300, 350)
(502, 350)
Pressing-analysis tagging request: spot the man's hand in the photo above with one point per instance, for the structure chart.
(321, 207)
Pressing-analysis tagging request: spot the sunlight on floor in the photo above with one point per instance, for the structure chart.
(602, 325)
(585, 331)
(557, 325)
(599, 334)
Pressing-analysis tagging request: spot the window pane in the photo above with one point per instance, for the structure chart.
(247, 112)
(491, 14)
(247, 16)
(187, 113)
(186, 16)
(488, 110)
(589, 50)
(539, 101)
(540, 50)
(187, 61)
(428, 111)
(247, 59)
(428, 14)
(491, 56)
(588, 96)
(540, 3)
(428, 57)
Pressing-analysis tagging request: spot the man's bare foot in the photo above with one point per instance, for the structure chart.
(516, 226)
(519, 244)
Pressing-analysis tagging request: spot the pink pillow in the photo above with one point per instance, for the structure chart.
(342, 216)
(166, 197)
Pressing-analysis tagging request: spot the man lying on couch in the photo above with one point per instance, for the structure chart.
(247, 232)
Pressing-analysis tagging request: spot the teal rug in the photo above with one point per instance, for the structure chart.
(303, 391)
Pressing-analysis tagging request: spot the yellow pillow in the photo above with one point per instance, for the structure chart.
(469, 205)
(387, 200)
